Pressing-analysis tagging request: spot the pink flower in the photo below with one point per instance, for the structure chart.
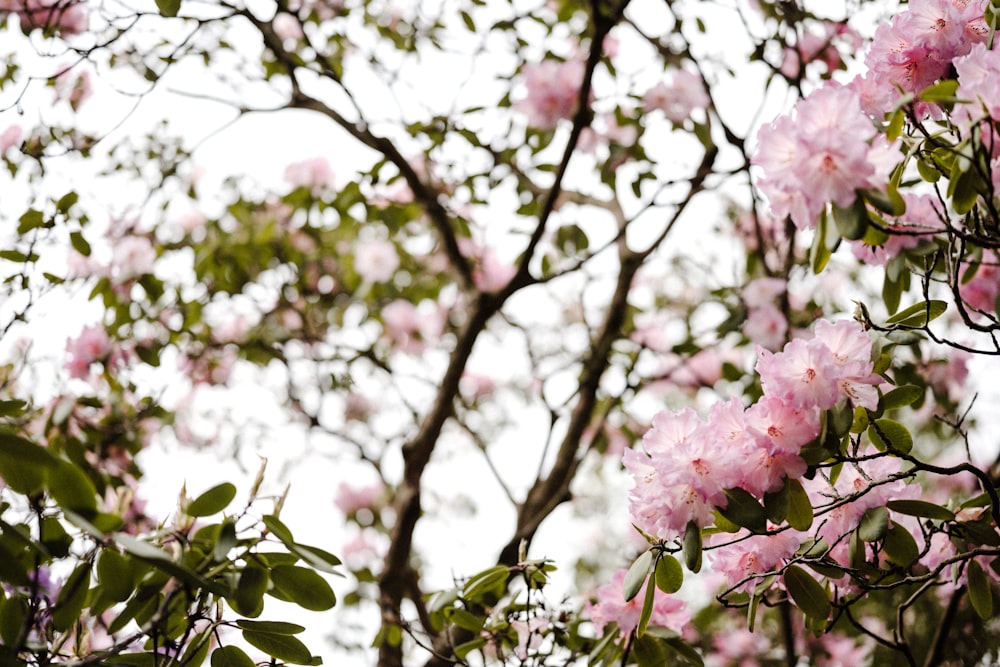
(376, 260)
(611, 607)
(132, 256)
(529, 635)
(821, 156)
(92, 345)
(979, 80)
(66, 18)
(803, 374)
(678, 97)
(780, 426)
(350, 499)
(752, 557)
(74, 89)
(491, 274)
(11, 138)
(314, 174)
(552, 91)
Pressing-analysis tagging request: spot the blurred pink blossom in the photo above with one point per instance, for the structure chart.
(132, 256)
(11, 138)
(92, 345)
(552, 91)
(678, 96)
(314, 174)
(375, 260)
(668, 612)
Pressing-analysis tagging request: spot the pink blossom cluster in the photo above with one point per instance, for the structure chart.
(677, 97)
(74, 88)
(916, 48)
(552, 91)
(668, 612)
(823, 152)
(819, 46)
(92, 346)
(66, 17)
(314, 174)
(376, 260)
(686, 463)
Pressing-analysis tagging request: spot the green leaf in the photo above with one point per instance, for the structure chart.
(316, 557)
(636, 575)
(161, 560)
(13, 612)
(900, 546)
(30, 219)
(231, 656)
(684, 651)
(70, 487)
(852, 222)
(490, 583)
(669, 575)
(23, 465)
(169, 8)
(249, 596)
(825, 241)
(212, 501)
(874, 523)
(464, 619)
(895, 127)
(980, 593)
(225, 542)
(281, 647)
(776, 505)
(901, 397)
(744, 510)
(649, 651)
(919, 314)
(113, 571)
(921, 508)
(692, 547)
(647, 610)
(807, 593)
(465, 648)
(941, 92)
(72, 598)
(304, 587)
(273, 627)
(79, 243)
(888, 434)
(800, 510)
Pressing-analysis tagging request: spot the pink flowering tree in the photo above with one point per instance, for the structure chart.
(576, 344)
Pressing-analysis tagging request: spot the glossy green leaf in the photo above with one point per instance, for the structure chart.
(274, 627)
(919, 314)
(807, 593)
(921, 508)
(744, 510)
(464, 619)
(980, 593)
(899, 546)
(70, 487)
(636, 575)
(901, 397)
(212, 501)
(669, 575)
(225, 542)
(874, 523)
(160, 559)
(316, 557)
(304, 587)
(230, 656)
(887, 434)
(282, 647)
(800, 509)
(692, 547)
(465, 648)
